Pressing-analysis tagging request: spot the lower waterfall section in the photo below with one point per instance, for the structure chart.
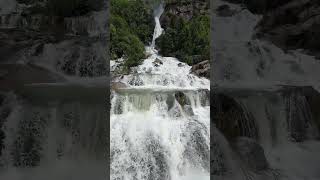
(55, 140)
(263, 134)
(160, 135)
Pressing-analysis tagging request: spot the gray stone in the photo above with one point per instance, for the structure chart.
(202, 69)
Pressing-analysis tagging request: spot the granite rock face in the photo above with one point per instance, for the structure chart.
(293, 25)
(202, 69)
(289, 24)
(185, 9)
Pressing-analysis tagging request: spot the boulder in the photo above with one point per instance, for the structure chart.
(176, 9)
(225, 11)
(202, 69)
(157, 62)
(289, 24)
(181, 64)
(293, 26)
(182, 98)
(117, 85)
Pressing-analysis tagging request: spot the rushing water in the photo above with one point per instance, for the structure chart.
(52, 139)
(160, 123)
(281, 123)
(53, 125)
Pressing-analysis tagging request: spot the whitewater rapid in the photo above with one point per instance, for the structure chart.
(242, 61)
(160, 123)
(245, 61)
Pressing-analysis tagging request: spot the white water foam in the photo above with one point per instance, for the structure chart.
(153, 136)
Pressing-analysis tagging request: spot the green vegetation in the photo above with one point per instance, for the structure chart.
(187, 40)
(131, 27)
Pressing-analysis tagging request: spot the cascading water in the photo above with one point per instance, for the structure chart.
(53, 140)
(157, 29)
(160, 123)
(285, 146)
(264, 131)
(53, 122)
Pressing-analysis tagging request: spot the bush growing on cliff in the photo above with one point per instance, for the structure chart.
(131, 27)
(187, 40)
(124, 43)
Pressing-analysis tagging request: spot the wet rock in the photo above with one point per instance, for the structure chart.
(183, 9)
(251, 153)
(182, 98)
(225, 11)
(289, 24)
(180, 65)
(157, 62)
(117, 85)
(136, 80)
(202, 69)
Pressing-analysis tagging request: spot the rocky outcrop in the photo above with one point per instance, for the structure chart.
(260, 6)
(294, 25)
(183, 9)
(202, 69)
(289, 24)
(225, 11)
(117, 85)
(157, 62)
(182, 98)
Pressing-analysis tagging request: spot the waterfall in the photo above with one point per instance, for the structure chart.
(53, 140)
(284, 123)
(261, 130)
(160, 123)
(157, 29)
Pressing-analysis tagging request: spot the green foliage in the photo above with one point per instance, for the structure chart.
(186, 40)
(138, 16)
(131, 26)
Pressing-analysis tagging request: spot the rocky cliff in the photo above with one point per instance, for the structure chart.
(186, 25)
(290, 24)
(183, 9)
